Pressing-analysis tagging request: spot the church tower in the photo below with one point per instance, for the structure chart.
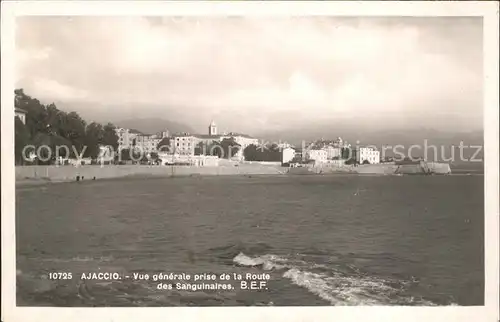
(212, 129)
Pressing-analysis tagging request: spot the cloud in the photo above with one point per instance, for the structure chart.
(248, 70)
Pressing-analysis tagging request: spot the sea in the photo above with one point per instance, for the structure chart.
(284, 240)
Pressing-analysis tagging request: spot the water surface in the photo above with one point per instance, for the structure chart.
(324, 240)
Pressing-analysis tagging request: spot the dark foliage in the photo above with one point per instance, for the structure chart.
(59, 130)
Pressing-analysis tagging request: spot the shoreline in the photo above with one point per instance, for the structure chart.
(42, 175)
(26, 182)
(68, 174)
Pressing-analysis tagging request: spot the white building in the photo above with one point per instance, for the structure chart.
(287, 155)
(243, 140)
(146, 143)
(125, 138)
(333, 152)
(185, 144)
(19, 112)
(140, 142)
(318, 155)
(192, 160)
(212, 128)
(369, 154)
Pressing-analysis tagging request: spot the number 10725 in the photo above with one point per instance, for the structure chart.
(60, 276)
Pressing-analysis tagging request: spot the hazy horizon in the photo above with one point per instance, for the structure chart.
(259, 75)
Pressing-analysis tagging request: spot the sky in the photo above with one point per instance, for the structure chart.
(251, 74)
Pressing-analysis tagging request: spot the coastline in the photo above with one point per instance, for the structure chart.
(41, 175)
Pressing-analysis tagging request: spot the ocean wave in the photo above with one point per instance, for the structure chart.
(336, 286)
(267, 262)
(228, 252)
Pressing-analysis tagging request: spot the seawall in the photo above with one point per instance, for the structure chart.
(381, 169)
(88, 172)
(69, 173)
(413, 168)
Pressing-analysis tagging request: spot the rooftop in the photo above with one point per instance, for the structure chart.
(215, 137)
(20, 110)
(238, 134)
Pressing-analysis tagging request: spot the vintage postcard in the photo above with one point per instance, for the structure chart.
(291, 161)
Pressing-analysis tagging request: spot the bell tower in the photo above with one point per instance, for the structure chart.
(212, 128)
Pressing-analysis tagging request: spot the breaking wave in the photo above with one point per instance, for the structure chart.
(338, 286)
(267, 262)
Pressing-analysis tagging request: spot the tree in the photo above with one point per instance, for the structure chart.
(125, 155)
(200, 149)
(346, 153)
(109, 136)
(213, 148)
(297, 158)
(75, 127)
(36, 113)
(164, 145)
(250, 153)
(270, 153)
(22, 139)
(137, 155)
(229, 147)
(94, 136)
(366, 162)
(47, 125)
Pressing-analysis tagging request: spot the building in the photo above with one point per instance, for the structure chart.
(19, 112)
(287, 155)
(130, 139)
(125, 138)
(333, 148)
(318, 155)
(333, 152)
(212, 129)
(243, 140)
(146, 143)
(185, 144)
(368, 154)
(191, 160)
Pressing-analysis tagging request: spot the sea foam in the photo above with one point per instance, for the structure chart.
(333, 286)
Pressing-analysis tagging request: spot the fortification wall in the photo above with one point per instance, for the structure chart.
(417, 168)
(376, 169)
(439, 168)
(69, 173)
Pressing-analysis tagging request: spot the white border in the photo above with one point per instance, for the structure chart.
(487, 9)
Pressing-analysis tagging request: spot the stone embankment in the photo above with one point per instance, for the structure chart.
(70, 173)
(43, 174)
(381, 169)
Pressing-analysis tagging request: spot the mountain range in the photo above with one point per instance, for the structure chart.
(438, 130)
(154, 125)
